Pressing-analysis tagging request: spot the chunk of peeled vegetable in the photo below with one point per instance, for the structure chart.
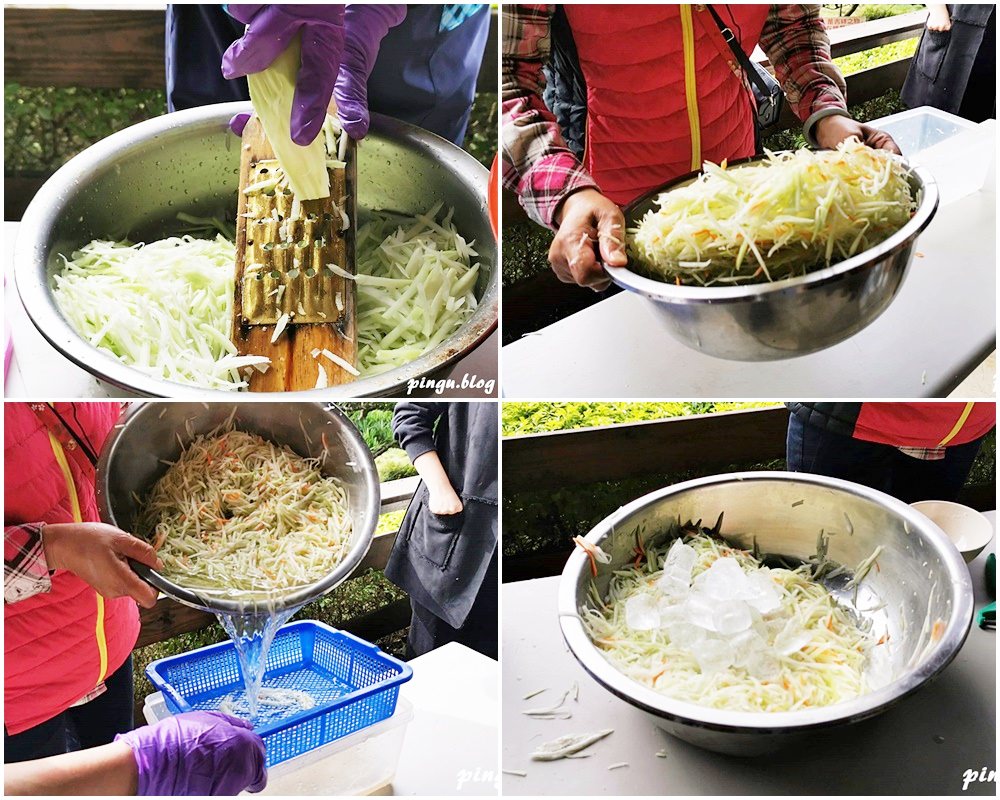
(271, 92)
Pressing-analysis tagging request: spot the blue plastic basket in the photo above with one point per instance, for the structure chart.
(353, 682)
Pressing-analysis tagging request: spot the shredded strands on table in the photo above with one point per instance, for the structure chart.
(783, 217)
(707, 623)
(557, 710)
(239, 513)
(568, 746)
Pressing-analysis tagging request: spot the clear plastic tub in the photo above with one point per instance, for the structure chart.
(358, 764)
(920, 128)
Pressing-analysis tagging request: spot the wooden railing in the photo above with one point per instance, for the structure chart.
(618, 452)
(107, 48)
(874, 81)
(113, 48)
(169, 618)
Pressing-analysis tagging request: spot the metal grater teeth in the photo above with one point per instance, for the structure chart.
(289, 244)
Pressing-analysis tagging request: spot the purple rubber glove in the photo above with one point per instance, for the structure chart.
(270, 29)
(366, 26)
(198, 753)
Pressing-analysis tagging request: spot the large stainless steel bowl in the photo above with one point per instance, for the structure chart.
(149, 435)
(788, 318)
(921, 580)
(134, 182)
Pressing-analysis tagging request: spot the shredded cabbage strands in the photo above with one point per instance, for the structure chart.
(237, 512)
(812, 651)
(416, 286)
(783, 217)
(163, 308)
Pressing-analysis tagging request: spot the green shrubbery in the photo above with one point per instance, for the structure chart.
(45, 126)
(394, 464)
(522, 418)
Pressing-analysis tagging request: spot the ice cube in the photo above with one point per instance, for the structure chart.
(725, 580)
(762, 664)
(674, 582)
(764, 594)
(684, 634)
(714, 655)
(641, 613)
(681, 557)
(699, 609)
(670, 611)
(731, 618)
(747, 643)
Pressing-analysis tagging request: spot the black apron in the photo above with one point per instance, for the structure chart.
(443, 562)
(954, 70)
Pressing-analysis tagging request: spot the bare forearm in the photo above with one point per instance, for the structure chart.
(442, 497)
(106, 770)
(431, 471)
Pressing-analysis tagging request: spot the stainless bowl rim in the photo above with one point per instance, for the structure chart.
(134, 415)
(663, 292)
(36, 295)
(762, 722)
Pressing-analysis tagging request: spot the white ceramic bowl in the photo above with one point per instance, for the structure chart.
(967, 529)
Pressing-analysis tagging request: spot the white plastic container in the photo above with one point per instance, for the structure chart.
(919, 128)
(359, 764)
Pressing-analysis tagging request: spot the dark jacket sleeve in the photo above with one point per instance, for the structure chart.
(413, 426)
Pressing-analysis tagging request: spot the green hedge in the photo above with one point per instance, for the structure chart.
(546, 521)
(524, 418)
(45, 126)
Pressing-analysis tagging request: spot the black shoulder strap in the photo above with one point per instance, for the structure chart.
(742, 58)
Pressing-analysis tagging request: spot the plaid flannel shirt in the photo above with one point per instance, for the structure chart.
(542, 170)
(924, 453)
(25, 572)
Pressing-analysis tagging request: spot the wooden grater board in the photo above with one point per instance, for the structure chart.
(293, 367)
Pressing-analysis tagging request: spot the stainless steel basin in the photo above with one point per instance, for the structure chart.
(134, 183)
(921, 581)
(788, 318)
(150, 434)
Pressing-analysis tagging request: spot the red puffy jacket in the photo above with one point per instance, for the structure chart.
(922, 425)
(664, 91)
(62, 644)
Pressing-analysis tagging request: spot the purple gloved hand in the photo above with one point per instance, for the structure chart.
(270, 29)
(198, 753)
(366, 26)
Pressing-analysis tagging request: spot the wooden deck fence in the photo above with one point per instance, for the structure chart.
(169, 618)
(617, 452)
(107, 48)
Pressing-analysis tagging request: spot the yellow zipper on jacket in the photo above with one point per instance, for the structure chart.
(958, 425)
(74, 501)
(691, 85)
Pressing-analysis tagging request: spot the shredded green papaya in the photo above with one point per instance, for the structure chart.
(782, 217)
